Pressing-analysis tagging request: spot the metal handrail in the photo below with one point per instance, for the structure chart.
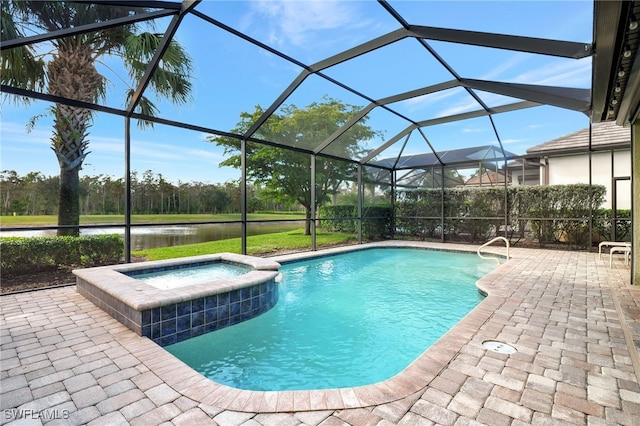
(491, 242)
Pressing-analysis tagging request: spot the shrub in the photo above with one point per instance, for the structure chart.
(376, 223)
(32, 254)
(417, 213)
(556, 213)
(602, 223)
(560, 213)
(338, 218)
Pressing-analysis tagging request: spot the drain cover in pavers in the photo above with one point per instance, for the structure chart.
(499, 347)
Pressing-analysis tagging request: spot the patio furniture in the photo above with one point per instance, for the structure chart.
(626, 250)
(611, 244)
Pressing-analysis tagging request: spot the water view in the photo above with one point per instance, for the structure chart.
(146, 237)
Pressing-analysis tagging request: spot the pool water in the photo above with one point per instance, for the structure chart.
(171, 278)
(342, 321)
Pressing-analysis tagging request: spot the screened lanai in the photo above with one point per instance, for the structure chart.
(343, 103)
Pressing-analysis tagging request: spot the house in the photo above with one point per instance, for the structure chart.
(565, 160)
(488, 178)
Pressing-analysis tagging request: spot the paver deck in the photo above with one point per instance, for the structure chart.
(574, 322)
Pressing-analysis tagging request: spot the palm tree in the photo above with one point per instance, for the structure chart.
(69, 70)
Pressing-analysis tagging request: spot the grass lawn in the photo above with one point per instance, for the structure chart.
(256, 244)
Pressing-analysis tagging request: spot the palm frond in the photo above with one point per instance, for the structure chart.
(145, 106)
(19, 66)
(31, 124)
(171, 78)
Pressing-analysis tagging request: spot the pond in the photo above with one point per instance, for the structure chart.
(146, 237)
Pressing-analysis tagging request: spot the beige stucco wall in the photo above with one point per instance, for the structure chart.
(516, 175)
(575, 169)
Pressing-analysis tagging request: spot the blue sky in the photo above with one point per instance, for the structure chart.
(232, 76)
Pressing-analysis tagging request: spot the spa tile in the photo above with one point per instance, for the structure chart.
(168, 327)
(167, 312)
(183, 323)
(198, 318)
(198, 305)
(211, 302)
(183, 308)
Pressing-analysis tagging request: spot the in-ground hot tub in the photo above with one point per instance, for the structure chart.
(168, 315)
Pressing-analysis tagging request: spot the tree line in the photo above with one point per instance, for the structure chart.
(37, 194)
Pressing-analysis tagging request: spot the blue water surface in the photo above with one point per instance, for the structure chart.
(171, 278)
(342, 321)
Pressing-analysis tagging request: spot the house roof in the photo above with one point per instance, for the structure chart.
(487, 178)
(605, 135)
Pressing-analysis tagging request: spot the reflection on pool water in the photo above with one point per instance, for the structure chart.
(343, 320)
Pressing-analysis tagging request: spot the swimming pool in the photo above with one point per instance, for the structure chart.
(342, 321)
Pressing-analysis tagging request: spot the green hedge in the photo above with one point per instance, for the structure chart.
(551, 214)
(548, 214)
(560, 213)
(22, 255)
(376, 222)
(338, 218)
(602, 223)
(470, 211)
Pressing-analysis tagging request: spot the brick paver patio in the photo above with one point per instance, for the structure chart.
(574, 322)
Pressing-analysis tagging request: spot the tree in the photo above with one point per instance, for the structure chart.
(285, 174)
(69, 71)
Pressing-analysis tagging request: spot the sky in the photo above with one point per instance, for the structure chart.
(232, 76)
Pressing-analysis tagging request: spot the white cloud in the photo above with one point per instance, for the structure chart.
(294, 22)
(459, 108)
(14, 132)
(560, 72)
(473, 130)
(421, 102)
(512, 141)
(565, 73)
(312, 29)
(18, 145)
(501, 68)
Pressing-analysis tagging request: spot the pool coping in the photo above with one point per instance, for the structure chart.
(412, 379)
